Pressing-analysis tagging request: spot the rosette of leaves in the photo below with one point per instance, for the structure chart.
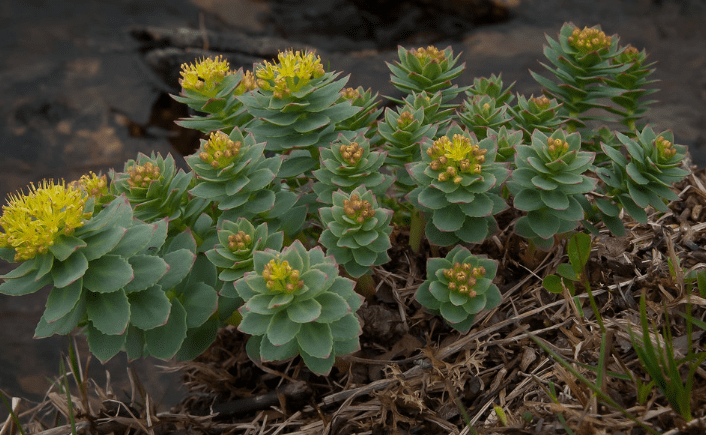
(236, 243)
(581, 60)
(296, 108)
(434, 112)
(297, 304)
(481, 112)
(209, 86)
(111, 276)
(641, 179)
(539, 113)
(357, 231)
(233, 172)
(402, 131)
(455, 181)
(635, 84)
(459, 286)
(493, 87)
(363, 121)
(156, 189)
(546, 184)
(508, 140)
(426, 69)
(346, 165)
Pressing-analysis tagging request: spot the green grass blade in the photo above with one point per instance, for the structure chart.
(12, 413)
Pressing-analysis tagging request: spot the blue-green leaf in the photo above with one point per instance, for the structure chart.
(104, 346)
(282, 329)
(200, 302)
(304, 311)
(164, 341)
(315, 339)
(107, 274)
(69, 270)
(148, 270)
(149, 308)
(109, 312)
(62, 300)
(198, 340)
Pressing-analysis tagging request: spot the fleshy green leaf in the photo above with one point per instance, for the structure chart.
(452, 313)
(65, 245)
(321, 366)
(69, 270)
(107, 274)
(345, 328)
(254, 323)
(180, 263)
(333, 307)
(282, 329)
(104, 346)
(315, 339)
(272, 352)
(108, 312)
(164, 341)
(198, 340)
(200, 302)
(62, 300)
(149, 308)
(304, 311)
(148, 270)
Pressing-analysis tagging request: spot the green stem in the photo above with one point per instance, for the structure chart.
(416, 231)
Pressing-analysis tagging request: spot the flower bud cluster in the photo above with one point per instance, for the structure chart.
(589, 39)
(665, 149)
(220, 150)
(31, 223)
(239, 241)
(430, 54)
(294, 70)
(357, 209)
(351, 153)
(280, 277)
(541, 102)
(557, 148)
(247, 83)
(92, 184)
(462, 278)
(454, 156)
(350, 93)
(143, 175)
(405, 120)
(205, 74)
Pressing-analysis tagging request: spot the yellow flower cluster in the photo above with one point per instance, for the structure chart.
(31, 223)
(294, 71)
(247, 83)
(219, 151)
(427, 55)
(92, 184)
(239, 242)
(351, 153)
(454, 156)
(462, 278)
(141, 176)
(205, 75)
(588, 40)
(280, 277)
(357, 209)
(557, 148)
(665, 149)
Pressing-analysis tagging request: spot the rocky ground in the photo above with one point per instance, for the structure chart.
(80, 92)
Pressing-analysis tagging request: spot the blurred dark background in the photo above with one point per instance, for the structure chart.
(85, 84)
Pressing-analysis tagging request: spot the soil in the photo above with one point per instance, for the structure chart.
(81, 92)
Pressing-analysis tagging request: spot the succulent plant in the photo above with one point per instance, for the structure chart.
(582, 60)
(507, 140)
(435, 113)
(156, 189)
(296, 108)
(643, 178)
(237, 243)
(459, 286)
(357, 231)
(455, 179)
(634, 81)
(493, 87)
(539, 113)
(481, 112)
(233, 172)
(426, 69)
(297, 304)
(108, 273)
(364, 120)
(346, 165)
(209, 86)
(548, 179)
